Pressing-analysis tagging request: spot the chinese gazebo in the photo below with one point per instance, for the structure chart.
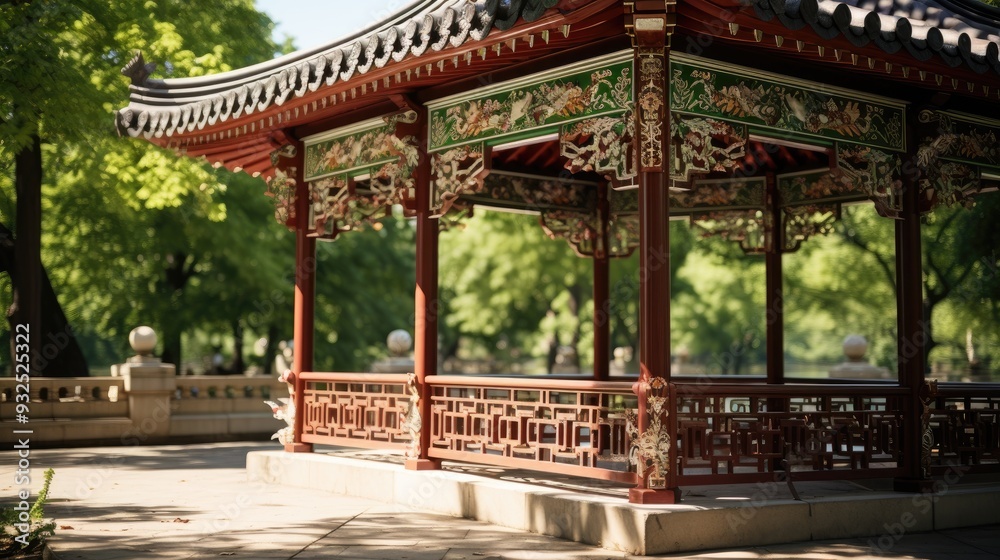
(756, 118)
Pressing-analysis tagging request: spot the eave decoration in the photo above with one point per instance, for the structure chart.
(784, 105)
(952, 156)
(357, 174)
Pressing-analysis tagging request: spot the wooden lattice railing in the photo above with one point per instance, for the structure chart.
(567, 427)
(739, 433)
(726, 432)
(355, 409)
(965, 423)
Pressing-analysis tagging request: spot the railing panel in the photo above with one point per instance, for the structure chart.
(741, 433)
(965, 424)
(727, 433)
(358, 410)
(566, 427)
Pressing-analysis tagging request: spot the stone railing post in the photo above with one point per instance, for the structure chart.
(149, 385)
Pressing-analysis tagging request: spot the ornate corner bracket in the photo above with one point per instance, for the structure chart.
(412, 422)
(456, 172)
(928, 393)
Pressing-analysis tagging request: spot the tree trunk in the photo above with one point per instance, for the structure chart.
(238, 365)
(270, 350)
(176, 276)
(574, 309)
(26, 277)
(54, 350)
(172, 348)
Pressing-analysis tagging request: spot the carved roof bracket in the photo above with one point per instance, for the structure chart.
(954, 150)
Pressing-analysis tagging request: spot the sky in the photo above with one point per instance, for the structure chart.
(314, 22)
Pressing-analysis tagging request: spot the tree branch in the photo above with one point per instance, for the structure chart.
(860, 243)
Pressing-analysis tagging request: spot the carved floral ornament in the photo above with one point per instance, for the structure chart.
(356, 178)
(650, 450)
(602, 145)
(412, 422)
(281, 187)
(650, 108)
(705, 145)
(602, 87)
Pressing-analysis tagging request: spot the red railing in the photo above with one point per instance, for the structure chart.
(355, 409)
(566, 427)
(965, 423)
(726, 432)
(731, 433)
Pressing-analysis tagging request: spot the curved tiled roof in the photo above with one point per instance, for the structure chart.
(958, 31)
(167, 107)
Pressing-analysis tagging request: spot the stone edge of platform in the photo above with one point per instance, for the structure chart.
(609, 522)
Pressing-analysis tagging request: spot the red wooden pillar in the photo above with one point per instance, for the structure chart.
(775, 316)
(911, 334)
(425, 351)
(602, 304)
(305, 293)
(650, 25)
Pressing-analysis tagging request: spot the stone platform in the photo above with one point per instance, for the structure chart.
(597, 513)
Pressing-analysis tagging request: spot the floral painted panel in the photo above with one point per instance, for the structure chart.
(952, 137)
(524, 193)
(736, 194)
(818, 186)
(358, 150)
(517, 110)
(785, 106)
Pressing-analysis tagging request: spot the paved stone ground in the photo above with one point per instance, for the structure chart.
(194, 501)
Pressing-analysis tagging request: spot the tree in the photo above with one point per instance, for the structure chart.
(39, 40)
(364, 290)
(61, 61)
(506, 285)
(718, 304)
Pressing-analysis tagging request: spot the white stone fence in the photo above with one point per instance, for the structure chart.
(142, 402)
(69, 411)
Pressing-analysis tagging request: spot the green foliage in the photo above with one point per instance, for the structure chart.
(509, 291)
(842, 284)
(717, 309)
(364, 291)
(130, 229)
(12, 539)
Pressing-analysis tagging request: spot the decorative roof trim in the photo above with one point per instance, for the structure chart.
(972, 39)
(168, 107)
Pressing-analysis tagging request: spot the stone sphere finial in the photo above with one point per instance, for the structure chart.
(855, 347)
(399, 342)
(143, 340)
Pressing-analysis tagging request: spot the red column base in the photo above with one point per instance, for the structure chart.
(913, 485)
(298, 448)
(648, 496)
(422, 464)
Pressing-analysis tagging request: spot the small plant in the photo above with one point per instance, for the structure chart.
(24, 538)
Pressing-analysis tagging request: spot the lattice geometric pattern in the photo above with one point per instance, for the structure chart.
(356, 412)
(752, 435)
(966, 431)
(571, 430)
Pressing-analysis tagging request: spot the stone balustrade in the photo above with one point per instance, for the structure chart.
(101, 410)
